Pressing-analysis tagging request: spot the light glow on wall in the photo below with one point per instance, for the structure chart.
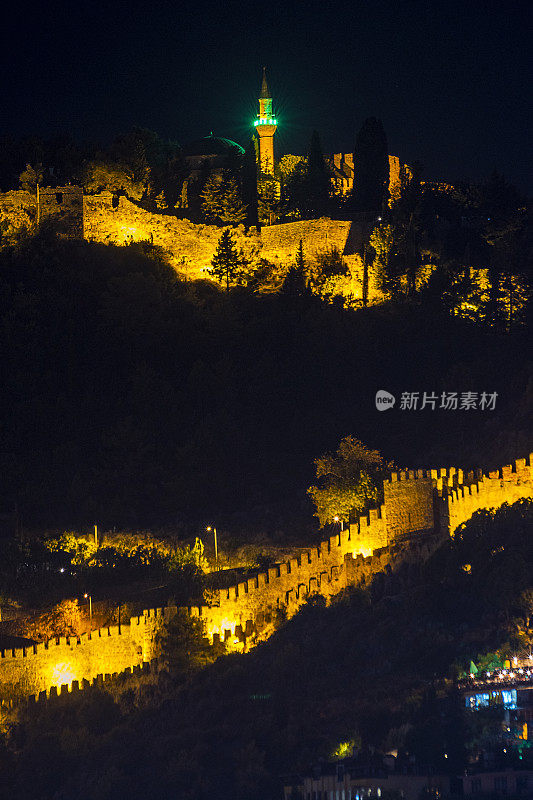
(62, 672)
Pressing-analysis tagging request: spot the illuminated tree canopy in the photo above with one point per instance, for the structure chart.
(350, 480)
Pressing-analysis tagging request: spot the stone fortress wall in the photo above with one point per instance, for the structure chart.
(64, 204)
(420, 509)
(190, 247)
(36, 669)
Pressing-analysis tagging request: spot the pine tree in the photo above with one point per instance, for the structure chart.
(222, 200)
(371, 168)
(211, 199)
(228, 263)
(232, 208)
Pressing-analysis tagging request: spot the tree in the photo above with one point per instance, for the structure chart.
(131, 150)
(113, 177)
(211, 199)
(288, 164)
(306, 182)
(249, 183)
(295, 284)
(222, 200)
(351, 479)
(233, 210)
(371, 168)
(329, 264)
(300, 260)
(268, 199)
(228, 264)
(293, 171)
(397, 241)
(184, 645)
(407, 223)
(382, 241)
(30, 177)
(502, 222)
(318, 180)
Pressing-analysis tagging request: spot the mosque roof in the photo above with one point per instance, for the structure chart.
(212, 146)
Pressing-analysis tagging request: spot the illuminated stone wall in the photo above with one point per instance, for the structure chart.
(191, 247)
(58, 662)
(462, 495)
(420, 509)
(280, 242)
(283, 586)
(279, 245)
(18, 210)
(63, 206)
(409, 503)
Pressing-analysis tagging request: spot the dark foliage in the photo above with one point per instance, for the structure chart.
(359, 669)
(130, 398)
(371, 168)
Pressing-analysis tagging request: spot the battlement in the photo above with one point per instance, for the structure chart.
(458, 502)
(67, 690)
(420, 507)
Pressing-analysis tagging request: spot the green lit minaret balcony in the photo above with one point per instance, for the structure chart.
(266, 121)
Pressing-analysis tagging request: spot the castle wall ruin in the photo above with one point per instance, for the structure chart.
(63, 207)
(189, 247)
(420, 510)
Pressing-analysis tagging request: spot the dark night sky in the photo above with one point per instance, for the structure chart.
(451, 81)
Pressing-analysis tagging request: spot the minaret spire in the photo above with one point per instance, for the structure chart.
(265, 94)
(265, 126)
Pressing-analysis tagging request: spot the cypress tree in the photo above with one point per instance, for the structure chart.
(295, 284)
(371, 168)
(318, 182)
(249, 183)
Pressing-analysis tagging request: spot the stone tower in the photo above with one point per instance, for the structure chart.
(265, 126)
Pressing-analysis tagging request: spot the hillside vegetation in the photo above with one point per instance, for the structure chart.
(369, 669)
(133, 399)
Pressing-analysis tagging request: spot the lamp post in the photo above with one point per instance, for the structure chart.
(338, 519)
(212, 528)
(90, 607)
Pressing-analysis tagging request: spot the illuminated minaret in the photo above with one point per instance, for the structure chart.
(265, 126)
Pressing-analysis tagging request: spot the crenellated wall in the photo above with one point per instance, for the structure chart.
(189, 246)
(409, 503)
(31, 670)
(461, 496)
(420, 509)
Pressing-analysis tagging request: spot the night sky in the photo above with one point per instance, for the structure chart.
(451, 81)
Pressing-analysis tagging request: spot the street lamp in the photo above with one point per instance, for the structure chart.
(338, 519)
(90, 606)
(210, 528)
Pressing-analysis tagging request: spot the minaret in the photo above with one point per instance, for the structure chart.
(265, 126)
